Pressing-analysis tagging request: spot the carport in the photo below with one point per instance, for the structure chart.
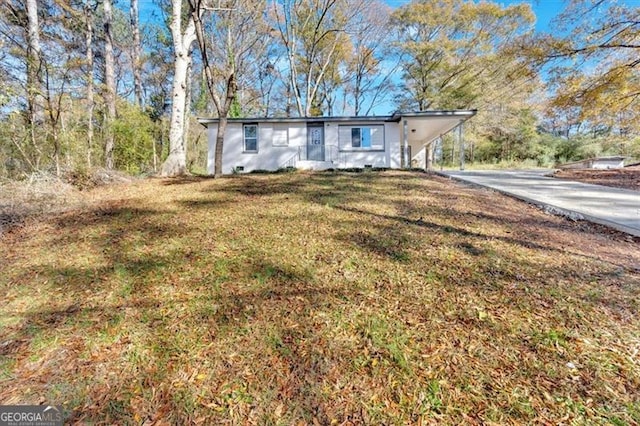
(421, 129)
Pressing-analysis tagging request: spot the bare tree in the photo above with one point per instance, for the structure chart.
(183, 37)
(110, 85)
(135, 50)
(53, 100)
(312, 32)
(34, 69)
(371, 68)
(88, 22)
(235, 42)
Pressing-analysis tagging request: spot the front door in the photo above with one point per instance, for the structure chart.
(315, 141)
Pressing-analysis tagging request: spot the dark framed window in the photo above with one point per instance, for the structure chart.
(250, 136)
(356, 139)
(361, 138)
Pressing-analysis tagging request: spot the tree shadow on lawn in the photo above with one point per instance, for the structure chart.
(528, 227)
(73, 292)
(447, 229)
(339, 189)
(107, 226)
(489, 271)
(185, 180)
(74, 324)
(204, 332)
(318, 187)
(206, 204)
(167, 325)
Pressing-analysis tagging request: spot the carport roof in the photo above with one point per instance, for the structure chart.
(458, 113)
(426, 126)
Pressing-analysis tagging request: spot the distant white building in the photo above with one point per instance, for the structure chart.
(612, 162)
(319, 143)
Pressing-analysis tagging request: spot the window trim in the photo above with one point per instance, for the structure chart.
(351, 148)
(244, 138)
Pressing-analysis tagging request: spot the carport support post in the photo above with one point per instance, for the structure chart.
(441, 150)
(461, 141)
(405, 145)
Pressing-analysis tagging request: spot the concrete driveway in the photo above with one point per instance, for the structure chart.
(617, 208)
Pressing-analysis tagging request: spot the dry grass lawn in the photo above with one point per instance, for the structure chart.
(328, 298)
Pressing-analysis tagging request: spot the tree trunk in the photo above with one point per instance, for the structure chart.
(88, 16)
(176, 162)
(187, 108)
(223, 113)
(222, 128)
(56, 148)
(356, 94)
(110, 86)
(33, 72)
(135, 28)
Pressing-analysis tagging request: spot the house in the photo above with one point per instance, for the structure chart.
(318, 143)
(612, 162)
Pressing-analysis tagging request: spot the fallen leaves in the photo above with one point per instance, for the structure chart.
(319, 298)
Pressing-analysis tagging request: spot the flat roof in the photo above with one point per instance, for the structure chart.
(468, 113)
(395, 117)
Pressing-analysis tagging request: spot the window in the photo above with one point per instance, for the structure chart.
(250, 137)
(280, 134)
(356, 140)
(361, 138)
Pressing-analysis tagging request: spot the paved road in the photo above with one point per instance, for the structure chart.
(618, 208)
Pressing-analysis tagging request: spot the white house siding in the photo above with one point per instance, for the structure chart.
(273, 157)
(297, 134)
(393, 138)
(362, 158)
(268, 157)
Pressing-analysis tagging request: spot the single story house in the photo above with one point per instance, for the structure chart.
(602, 163)
(318, 143)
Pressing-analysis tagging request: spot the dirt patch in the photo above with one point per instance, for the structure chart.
(627, 178)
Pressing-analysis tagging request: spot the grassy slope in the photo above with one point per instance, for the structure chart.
(319, 298)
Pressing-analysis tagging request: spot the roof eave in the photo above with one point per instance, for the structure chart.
(376, 118)
(464, 114)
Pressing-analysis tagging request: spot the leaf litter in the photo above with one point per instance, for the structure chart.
(319, 298)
